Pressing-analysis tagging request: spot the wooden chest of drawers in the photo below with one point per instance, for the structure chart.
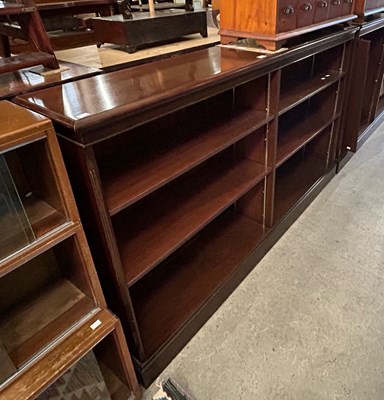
(273, 22)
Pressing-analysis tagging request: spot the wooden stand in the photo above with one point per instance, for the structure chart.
(52, 310)
(31, 26)
(144, 29)
(201, 164)
(64, 29)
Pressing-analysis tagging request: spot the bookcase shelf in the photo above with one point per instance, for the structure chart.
(293, 179)
(126, 182)
(302, 91)
(179, 287)
(182, 187)
(185, 209)
(49, 287)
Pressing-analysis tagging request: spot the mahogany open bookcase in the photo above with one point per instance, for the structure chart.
(52, 310)
(189, 169)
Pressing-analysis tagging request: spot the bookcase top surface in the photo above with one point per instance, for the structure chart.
(90, 109)
(14, 118)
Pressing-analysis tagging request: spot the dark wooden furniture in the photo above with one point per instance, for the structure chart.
(365, 8)
(365, 109)
(144, 29)
(28, 20)
(271, 23)
(64, 29)
(52, 310)
(24, 80)
(189, 169)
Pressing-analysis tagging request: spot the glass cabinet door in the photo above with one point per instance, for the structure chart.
(15, 230)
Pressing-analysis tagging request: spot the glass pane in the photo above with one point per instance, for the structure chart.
(15, 230)
(83, 381)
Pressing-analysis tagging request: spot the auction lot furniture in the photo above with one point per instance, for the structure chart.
(271, 23)
(187, 170)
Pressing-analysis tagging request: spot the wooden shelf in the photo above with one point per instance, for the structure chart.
(34, 324)
(175, 292)
(293, 181)
(60, 358)
(183, 210)
(42, 217)
(126, 182)
(301, 134)
(302, 91)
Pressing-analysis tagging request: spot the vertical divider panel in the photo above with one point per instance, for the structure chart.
(104, 238)
(253, 95)
(336, 148)
(271, 148)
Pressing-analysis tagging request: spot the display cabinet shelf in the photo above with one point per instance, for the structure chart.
(49, 287)
(101, 335)
(179, 179)
(43, 217)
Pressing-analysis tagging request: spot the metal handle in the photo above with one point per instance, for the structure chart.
(322, 4)
(336, 2)
(348, 1)
(307, 7)
(289, 10)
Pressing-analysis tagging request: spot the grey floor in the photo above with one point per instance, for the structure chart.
(308, 322)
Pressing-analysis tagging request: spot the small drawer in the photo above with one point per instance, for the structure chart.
(287, 15)
(335, 8)
(321, 11)
(306, 12)
(347, 7)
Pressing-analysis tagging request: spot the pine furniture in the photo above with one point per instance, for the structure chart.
(366, 8)
(52, 310)
(187, 170)
(271, 23)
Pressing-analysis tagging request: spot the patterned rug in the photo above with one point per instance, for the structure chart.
(83, 381)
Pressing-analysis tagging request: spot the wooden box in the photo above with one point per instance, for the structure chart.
(271, 23)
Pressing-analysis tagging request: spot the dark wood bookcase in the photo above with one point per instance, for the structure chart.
(51, 299)
(189, 169)
(365, 108)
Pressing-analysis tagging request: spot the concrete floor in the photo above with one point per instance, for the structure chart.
(308, 322)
